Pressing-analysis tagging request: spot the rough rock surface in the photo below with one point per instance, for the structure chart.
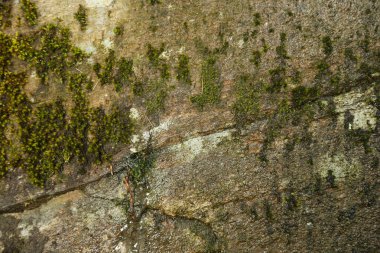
(218, 185)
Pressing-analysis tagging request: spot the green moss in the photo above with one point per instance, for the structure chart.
(281, 49)
(330, 179)
(364, 44)
(302, 95)
(256, 58)
(76, 142)
(44, 143)
(267, 211)
(164, 71)
(327, 45)
(29, 9)
(349, 54)
(290, 14)
(154, 2)
(138, 88)
(142, 162)
(116, 127)
(246, 36)
(360, 136)
(5, 53)
(296, 77)
(118, 30)
(41, 139)
(323, 68)
(5, 13)
(257, 19)
(153, 55)
(290, 201)
(246, 106)
(211, 87)
(265, 45)
(105, 73)
(277, 79)
(183, 72)
(49, 50)
(81, 17)
(254, 33)
(124, 73)
(98, 131)
(156, 93)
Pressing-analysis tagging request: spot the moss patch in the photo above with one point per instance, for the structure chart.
(247, 104)
(211, 87)
(29, 9)
(81, 17)
(183, 72)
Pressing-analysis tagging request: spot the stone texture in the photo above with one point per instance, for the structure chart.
(210, 190)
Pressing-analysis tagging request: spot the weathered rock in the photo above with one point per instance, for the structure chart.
(302, 181)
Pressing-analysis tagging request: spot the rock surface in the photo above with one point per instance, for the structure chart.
(217, 185)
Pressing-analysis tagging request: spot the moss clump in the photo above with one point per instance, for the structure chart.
(265, 45)
(257, 19)
(41, 139)
(81, 17)
(327, 45)
(124, 73)
(156, 93)
(153, 55)
(13, 104)
(45, 141)
(105, 73)
(154, 2)
(247, 105)
(77, 129)
(281, 49)
(277, 79)
(267, 210)
(296, 77)
(302, 95)
(323, 68)
(29, 9)
(5, 53)
(349, 55)
(49, 50)
(183, 72)
(330, 179)
(256, 58)
(116, 127)
(211, 87)
(118, 30)
(278, 75)
(360, 136)
(5, 13)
